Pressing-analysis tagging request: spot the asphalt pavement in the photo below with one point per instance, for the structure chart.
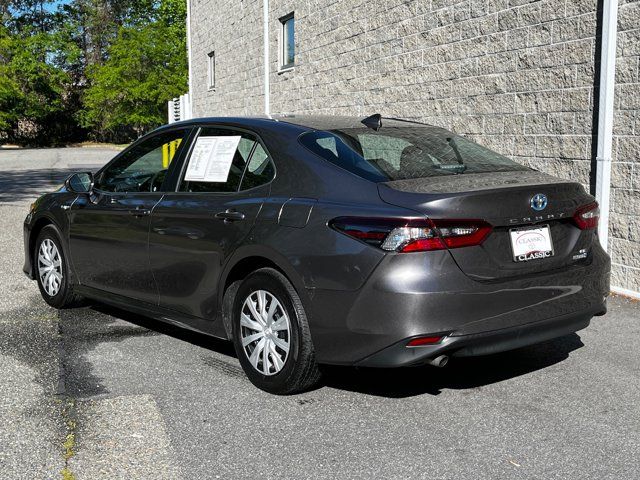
(94, 393)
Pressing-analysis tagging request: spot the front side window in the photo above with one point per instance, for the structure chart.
(249, 162)
(398, 153)
(144, 166)
(287, 43)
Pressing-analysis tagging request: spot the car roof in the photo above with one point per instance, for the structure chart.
(313, 122)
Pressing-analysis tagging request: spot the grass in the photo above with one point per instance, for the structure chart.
(69, 444)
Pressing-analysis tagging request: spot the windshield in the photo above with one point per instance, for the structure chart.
(399, 153)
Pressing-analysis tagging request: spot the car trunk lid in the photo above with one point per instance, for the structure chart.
(503, 199)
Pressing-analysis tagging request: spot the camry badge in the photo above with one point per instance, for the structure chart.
(538, 202)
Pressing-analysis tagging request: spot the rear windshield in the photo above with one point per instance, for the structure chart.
(399, 153)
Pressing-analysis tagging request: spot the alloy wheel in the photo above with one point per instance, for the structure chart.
(265, 332)
(50, 267)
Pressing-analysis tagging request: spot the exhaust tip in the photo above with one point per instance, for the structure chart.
(439, 361)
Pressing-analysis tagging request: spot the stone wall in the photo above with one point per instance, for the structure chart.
(625, 183)
(233, 30)
(516, 75)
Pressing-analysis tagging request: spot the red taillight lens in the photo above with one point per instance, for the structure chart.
(587, 217)
(463, 233)
(422, 341)
(413, 235)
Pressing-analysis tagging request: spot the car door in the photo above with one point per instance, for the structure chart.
(196, 228)
(109, 229)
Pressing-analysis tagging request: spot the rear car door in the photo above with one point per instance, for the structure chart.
(195, 229)
(109, 230)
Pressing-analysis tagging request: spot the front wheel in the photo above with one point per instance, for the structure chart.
(271, 334)
(52, 269)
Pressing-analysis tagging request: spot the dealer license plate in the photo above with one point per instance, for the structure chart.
(531, 243)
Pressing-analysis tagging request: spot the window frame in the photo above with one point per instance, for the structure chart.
(282, 46)
(166, 186)
(187, 155)
(211, 71)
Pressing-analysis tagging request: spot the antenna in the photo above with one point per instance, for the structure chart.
(374, 122)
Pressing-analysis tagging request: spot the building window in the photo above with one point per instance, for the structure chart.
(287, 42)
(211, 71)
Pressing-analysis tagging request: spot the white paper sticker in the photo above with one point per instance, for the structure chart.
(211, 159)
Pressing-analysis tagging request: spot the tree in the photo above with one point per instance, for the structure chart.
(106, 67)
(146, 66)
(32, 90)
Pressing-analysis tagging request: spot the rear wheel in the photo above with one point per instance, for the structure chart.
(52, 269)
(271, 334)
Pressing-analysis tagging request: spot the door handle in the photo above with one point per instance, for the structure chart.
(230, 216)
(140, 212)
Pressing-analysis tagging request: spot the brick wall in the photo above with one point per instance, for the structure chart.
(233, 30)
(516, 75)
(625, 183)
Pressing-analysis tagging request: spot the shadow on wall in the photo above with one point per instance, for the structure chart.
(21, 185)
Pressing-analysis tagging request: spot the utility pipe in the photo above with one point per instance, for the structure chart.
(265, 33)
(190, 60)
(605, 115)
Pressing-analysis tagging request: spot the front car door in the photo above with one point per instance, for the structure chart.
(109, 231)
(195, 229)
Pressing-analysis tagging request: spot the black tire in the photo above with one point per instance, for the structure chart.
(300, 371)
(64, 297)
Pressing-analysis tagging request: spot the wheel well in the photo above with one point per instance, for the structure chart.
(247, 265)
(35, 231)
(240, 271)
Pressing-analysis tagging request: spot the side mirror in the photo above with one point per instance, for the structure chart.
(80, 182)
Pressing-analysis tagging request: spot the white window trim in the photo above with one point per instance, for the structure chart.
(211, 71)
(282, 68)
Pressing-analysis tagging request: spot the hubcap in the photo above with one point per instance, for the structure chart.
(265, 332)
(50, 267)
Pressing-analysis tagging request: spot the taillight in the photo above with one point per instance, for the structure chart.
(587, 217)
(422, 341)
(413, 235)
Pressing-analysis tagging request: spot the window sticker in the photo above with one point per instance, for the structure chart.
(211, 159)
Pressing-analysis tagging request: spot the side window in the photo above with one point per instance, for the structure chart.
(143, 167)
(249, 161)
(260, 169)
(241, 156)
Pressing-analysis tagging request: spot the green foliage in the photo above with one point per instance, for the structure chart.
(105, 68)
(146, 66)
(32, 90)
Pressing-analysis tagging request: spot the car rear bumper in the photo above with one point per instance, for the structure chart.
(427, 294)
(399, 355)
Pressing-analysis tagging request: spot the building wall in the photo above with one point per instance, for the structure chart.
(516, 75)
(625, 200)
(233, 30)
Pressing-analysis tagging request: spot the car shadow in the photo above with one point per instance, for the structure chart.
(194, 338)
(460, 373)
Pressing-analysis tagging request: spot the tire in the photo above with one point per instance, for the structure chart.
(297, 370)
(57, 291)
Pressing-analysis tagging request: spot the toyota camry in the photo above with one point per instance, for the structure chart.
(310, 240)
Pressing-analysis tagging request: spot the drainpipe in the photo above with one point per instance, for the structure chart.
(605, 115)
(265, 33)
(190, 60)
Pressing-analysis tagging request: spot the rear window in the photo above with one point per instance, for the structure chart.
(399, 153)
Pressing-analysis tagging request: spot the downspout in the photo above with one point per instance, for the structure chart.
(190, 60)
(605, 115)
(265, 33)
